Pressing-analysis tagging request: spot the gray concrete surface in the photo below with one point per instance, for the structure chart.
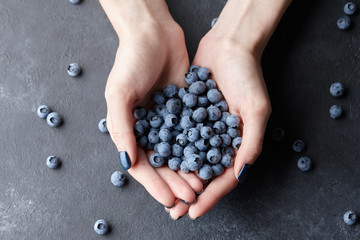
(38, 39)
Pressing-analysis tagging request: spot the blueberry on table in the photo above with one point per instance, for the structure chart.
(214, 155)
(304, 164)
(350, 217)
(53, 119)
(344, 22)
(278, 134)
(43, 111)
(156, 160)
(118, 179)
(205, 172)
(159, 98)
(53, 162)
(174, 163)
(337, 89)
(101, 227)
(298, 146)
(171, 90)
(194, 68)
(75, 1)
(217, 169)
(236, 143)
(197, 88)
(203, 73)
(350, 8)
(213, 22)
(191, 77)
(102, 126)
(335, 111)
(74, 69)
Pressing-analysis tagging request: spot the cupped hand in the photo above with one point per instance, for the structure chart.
(238, 75)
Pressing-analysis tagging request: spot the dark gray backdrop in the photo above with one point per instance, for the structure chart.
(38, 39)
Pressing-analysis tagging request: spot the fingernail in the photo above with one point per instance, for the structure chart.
(169, 207)
(190, 217)
(166, 210)
(244, 172)
(124, 160)
(174, 218)
(189, 203)
(198, 193)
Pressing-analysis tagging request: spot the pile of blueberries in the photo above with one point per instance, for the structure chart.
(191, 128)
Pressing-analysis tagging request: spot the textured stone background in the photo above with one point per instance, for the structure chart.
(39, 38)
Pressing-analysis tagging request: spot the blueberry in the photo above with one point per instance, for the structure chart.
(53, 119)
(171, 120)
(215, 141)
(224, 115)
(74, 70)
(210, 84)
(214, 113)
(101, 227)
(156, 160)
(184, 168)
(43, 111)
(153, 136)
(181, 139)
(174, 135)
(177, 150)
(163, 126)
(193, 134)
(164, 149)
(138, 130)
(174, 105)
(202, 144)
(186, 112)
(161, 110)
(190, 100)
(178, 127)
(350, 8)
(118, 178)
(156, 121)
(214, 155)
(75, 1)
(165, 135)
(145, 124)
(174, 163)
(171, 90)
(335, 111)
(213, 22)
(186, 123)
(222, 105)
(103, 126)
(214, 95)
(182, 92)
(202, 156)
(194, 68)
(194, 162)
(191, 77)
(228, 150)
(142, 141)
(227, 160)
(156, 147)
(209, 123)
(188, 150)
(199, 115)
(233, 121)
(337, 89)
(203, 101)
(217, 169)
(344, 23)
(298, 146)
(205, 172)
(219, 127)
(304, 163)
(199, 126)
(159, 98)
(226, 140)
(151, 114)
(203, 73)
(206, 132)
(236, 142)
(150, 146)
(350, 217)
(278, 134)
(53, 162)
(197, 88)
(140, 113)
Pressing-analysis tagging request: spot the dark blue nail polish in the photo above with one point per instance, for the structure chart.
(244, 172)
(170, 207)
(189, 203)
(198, 193)
(124, 160)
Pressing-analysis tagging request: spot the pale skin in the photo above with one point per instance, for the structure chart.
(152, 54)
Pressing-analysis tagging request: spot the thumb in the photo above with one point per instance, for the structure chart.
(250, 148)
(120, 124)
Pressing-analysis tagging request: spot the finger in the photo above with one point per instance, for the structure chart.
(179, 210)
(179, 187)
(218, 187)
(195, 183)
(120, 125)
(146, 175)
(251, 146)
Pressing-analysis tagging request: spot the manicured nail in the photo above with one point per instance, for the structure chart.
(190, 217)
(189, 203)
(170, 206)
(244, 172)
(124, 160)
(174, 218)
(198, 193)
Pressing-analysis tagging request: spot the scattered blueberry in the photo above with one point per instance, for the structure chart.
(350, 8)
(344, 23)
(75, 1)
(304, 163)
(206, 132)
(43, 111)
(298, 146)
(74, 69)
(278, 134)
(53, 119)
(101, 227)
(188, 150)
(213, 22)
(202, 144)
(225, 139)
(337, 89)
(228, 150)
(350, 217)
(171, 120)
(142, 141)
(186, 112)
(335, 111)
(118, 179)
(102, 126)
(53, 162)
(160, 110)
